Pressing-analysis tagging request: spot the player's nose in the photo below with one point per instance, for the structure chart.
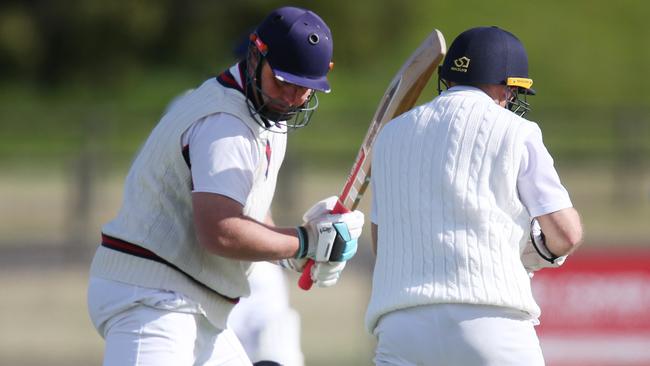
(295, 95)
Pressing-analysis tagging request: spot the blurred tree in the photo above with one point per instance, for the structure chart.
(584, 55)
(20, 44)
(590, 53)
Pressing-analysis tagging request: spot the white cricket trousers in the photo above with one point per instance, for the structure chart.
(457, 334)
(265, 324)
(153, 327)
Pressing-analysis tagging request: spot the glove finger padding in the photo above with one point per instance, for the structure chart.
(326, 274)
(321, 208)
(293, 264)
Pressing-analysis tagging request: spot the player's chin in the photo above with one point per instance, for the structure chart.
(279, 108)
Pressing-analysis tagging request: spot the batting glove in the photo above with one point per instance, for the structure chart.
(293, 264)
(326, 274)
(323, 274)
(329, 238)
(320, 209)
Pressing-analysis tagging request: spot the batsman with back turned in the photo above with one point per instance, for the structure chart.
(466, 206)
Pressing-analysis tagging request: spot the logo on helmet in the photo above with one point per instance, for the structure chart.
(461, 64)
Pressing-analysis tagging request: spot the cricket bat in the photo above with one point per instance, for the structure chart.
(401, 95)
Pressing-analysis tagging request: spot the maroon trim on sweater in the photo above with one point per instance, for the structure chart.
(138, 251)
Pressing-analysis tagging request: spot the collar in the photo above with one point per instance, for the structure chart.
(467, 90)
(233, 77)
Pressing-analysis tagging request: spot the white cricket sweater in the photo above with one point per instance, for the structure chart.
(450, 222)
(157, 211)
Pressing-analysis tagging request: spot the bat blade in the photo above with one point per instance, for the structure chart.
(400, 96)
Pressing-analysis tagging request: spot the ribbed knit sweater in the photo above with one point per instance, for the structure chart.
(450, 222)
(157, 212)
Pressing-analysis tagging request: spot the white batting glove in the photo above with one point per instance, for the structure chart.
(536, 255)
(331, 238)
(326, 274)
(293, 264)
(321, 208)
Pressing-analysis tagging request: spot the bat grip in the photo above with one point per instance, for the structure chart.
(305, 282)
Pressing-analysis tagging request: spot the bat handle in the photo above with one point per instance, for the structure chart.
(305, 282)
(339, 208)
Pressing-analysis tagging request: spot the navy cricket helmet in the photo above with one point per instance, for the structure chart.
(298, 46)
(490, 55)
(487, 55)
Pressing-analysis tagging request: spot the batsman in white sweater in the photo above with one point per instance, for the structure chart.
(457, 185)
(196, 210)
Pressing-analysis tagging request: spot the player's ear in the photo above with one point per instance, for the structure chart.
(505, 95)
(253, 56)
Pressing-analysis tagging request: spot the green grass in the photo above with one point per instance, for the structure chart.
(45, 310)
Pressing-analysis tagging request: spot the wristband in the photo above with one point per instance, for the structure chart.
(302, 241)
(538, 239)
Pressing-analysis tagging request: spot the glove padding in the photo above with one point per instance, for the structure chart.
(326, 274)
(293, 264)
(329, 238)
(536, 255)
(321, 208)
(333, 234)
(323, 274)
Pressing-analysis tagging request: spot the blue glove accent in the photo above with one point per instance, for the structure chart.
(348, 248)
(302, 239)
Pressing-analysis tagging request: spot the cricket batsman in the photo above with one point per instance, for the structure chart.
(196, 212)
(466, 204)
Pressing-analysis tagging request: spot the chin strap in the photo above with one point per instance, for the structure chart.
(441, 82)
(256, 102)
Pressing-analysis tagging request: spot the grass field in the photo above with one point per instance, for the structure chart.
(45, 322)
(44, 318)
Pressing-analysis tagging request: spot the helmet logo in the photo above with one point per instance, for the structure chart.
(313, 38)
(461, 64)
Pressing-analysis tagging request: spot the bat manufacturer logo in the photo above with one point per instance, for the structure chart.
(461, 64)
